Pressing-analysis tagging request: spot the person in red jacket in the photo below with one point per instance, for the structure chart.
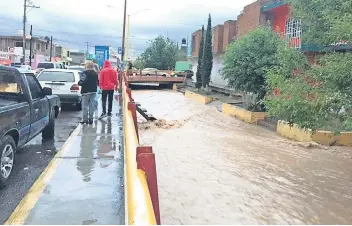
(108, 83)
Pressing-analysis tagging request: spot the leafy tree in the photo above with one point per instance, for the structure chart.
(200, 59)
(207, 64)
(160, 54)
(247, 59)
(139, 63)
(318, 97)
(324, 21)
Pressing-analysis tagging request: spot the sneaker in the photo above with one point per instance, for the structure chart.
(83, 122)
(109, 114)
(90, 121)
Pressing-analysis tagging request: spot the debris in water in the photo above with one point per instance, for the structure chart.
(38, 152)
(161, 123)
(25, 168)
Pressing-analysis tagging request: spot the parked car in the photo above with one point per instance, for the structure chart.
(64, 84)
(26, 109)
(79, 68)
(27, 72)
(155, 72)
(47, 65)
(189, 73)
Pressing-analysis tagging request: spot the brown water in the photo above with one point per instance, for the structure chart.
(215, 169)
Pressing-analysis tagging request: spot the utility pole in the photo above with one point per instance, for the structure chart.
(128, 37)
(30, 47)
(123, 46)
(25, 6)
(51, 47)
(23, 60)
(87, 50)
(124, 31)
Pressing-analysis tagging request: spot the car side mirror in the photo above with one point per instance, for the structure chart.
(47, 91)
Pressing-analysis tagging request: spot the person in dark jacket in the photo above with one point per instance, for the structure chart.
(89, 83)
(108, 83)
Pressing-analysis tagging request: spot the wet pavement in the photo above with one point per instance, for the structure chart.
(32, 159)
(87, 186)
(215, 169)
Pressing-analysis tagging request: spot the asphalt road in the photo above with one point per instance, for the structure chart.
(32, 159)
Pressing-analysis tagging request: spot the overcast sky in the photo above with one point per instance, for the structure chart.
(99, 22)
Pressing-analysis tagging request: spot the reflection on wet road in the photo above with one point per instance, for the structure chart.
(87, 186)
(218, 170)
(32, 159)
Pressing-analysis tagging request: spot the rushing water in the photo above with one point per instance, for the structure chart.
(215, 169)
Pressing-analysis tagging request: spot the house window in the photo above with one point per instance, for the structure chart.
(18, 44)
(37, 46)
(293, 28)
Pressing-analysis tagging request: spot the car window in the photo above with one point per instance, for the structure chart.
(8, 83)
(34, 87)
(56, 76)
(45, 65)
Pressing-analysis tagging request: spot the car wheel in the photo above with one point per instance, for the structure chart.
(164, 75)
(79, 106)
(7, 159)
(147, 74)
(48, 132)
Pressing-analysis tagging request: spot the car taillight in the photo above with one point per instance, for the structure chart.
(74, 87)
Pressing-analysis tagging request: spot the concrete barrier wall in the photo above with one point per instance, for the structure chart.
(283, 129)
(294, 132)
(242, 114)
(141, 191)
(199, 98)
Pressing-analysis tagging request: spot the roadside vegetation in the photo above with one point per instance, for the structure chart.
(312, 95)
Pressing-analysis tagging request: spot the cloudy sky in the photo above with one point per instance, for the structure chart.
(99, 22)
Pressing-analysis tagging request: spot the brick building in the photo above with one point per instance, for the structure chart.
(273, 13)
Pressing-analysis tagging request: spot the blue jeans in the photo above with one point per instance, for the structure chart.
(88, 104)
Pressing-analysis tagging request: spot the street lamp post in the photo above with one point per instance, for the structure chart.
(128, 30)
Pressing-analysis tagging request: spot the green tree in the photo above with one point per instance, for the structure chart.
(318, 97)
(200, 60)
(324, 21)
(139, 63)
(207, 64)
(247, 59)
(160, 54)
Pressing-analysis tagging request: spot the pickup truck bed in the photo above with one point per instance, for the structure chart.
(25, 111)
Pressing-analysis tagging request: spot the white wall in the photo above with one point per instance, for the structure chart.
(215, 77)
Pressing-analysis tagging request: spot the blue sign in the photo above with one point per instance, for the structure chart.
(101, 54)
(119, 50)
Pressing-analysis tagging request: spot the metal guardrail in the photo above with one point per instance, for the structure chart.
(141, 188)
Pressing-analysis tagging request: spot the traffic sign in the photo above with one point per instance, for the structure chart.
(101, 54)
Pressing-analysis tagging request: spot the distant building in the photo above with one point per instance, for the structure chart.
(78, 57)
(63, 55)
(13, 46)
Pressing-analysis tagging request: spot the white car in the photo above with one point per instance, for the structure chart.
(25, 68)
(64, 83)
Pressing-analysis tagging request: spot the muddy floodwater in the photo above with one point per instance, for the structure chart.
(215, 169)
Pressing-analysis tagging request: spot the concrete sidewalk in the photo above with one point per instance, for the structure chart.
(84, 182)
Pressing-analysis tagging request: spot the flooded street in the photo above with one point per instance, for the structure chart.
(215, 169)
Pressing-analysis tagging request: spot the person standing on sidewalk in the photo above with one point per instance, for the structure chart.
(108, 83)
(89, 82)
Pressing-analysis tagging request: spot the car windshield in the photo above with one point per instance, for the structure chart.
(45, 65)
(56, 76)
(8, 84)
(76, 68)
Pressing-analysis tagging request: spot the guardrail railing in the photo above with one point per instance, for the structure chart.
(141, 187)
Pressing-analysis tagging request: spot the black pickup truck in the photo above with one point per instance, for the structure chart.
(26, 109)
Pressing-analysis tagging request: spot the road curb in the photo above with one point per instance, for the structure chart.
(20, 214)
